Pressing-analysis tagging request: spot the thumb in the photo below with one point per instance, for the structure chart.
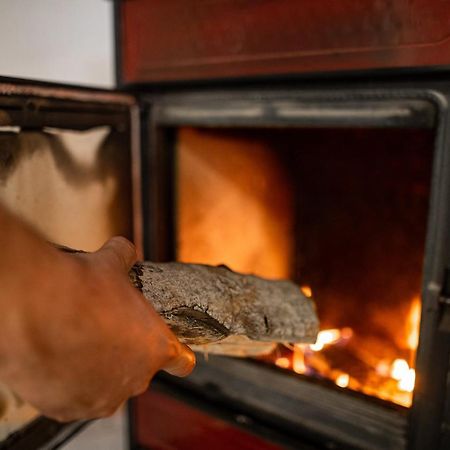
(120, 251)
(182, 364)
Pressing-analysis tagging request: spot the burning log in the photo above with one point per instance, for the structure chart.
(223, 311)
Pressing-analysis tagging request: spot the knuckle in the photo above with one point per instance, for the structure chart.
(124, 242)
(122, 250)
(172, 348)
(140, 388)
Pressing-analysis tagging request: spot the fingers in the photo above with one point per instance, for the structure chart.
(121, 251)
(182, 364)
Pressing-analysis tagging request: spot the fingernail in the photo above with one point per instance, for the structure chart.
(182, 365)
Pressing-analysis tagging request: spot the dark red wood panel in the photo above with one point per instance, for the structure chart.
(163, 40)
(164, 423)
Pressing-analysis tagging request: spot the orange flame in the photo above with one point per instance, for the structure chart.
(283, 362)
(394, 380)
(413, 324)
(298, 360)
(405, 375)
(408, 381)
(343, 380)
(325, 337)
(307, 291)
(399, 369)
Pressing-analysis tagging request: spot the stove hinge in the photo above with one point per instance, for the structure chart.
(443, 339)
(444, 300)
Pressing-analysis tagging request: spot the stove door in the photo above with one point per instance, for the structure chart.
(66, 164)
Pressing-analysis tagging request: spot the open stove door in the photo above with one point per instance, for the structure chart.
(69, 166)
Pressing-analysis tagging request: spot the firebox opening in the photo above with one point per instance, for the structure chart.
(342, 212)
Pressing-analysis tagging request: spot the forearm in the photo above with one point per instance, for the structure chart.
(25, 258)
(17, 241)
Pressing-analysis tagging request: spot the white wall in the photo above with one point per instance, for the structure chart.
(69, 41)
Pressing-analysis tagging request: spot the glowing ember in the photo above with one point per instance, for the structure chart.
(383, 368)
(407, 382)
(283, 362)
(298, 360)
(325, 337)
(346, 333)
(307, 291)
(335, 349)
(342, 380)
(399, 369)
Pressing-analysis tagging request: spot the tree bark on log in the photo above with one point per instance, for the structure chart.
(204, 304)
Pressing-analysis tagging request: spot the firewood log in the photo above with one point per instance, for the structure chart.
(214, 309)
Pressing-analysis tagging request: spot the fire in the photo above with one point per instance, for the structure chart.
(413, 325)
(298, 360)
(405, 375)
(343, 380)
(307, 291)
(377, 356)
(326, 337)
(408, 380)
(383, 368)
(336, 349)
(283, 362)
(399, 369)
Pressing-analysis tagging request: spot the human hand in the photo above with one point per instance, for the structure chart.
(81, 340)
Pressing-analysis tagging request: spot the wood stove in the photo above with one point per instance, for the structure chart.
(334, 186)
(299, 152)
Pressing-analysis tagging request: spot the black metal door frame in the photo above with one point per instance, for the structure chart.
(382, 105)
